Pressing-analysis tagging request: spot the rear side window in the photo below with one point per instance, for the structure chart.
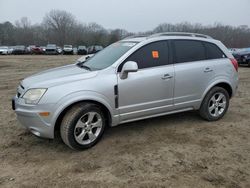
(151, 55)
(213, 51)
(189, 50)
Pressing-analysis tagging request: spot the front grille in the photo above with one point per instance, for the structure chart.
(50, 50)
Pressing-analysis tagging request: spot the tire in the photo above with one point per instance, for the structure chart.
(215, 104)
(82, 126)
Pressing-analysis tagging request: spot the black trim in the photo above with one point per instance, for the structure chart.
(116, 89)
(13, 104)
(171, 52)
(116, 102)
(116, 96)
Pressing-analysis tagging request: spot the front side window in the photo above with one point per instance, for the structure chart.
(151, 55)
(188, 51)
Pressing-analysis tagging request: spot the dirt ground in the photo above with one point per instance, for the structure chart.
(179, 150)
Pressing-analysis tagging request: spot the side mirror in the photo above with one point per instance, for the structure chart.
(129, 66)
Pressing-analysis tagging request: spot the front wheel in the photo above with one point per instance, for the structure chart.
(82, 126)
(215, 104)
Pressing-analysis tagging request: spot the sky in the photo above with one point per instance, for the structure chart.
(132, 15)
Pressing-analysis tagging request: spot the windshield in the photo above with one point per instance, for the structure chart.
(19, 47)
(67, 46)
(51, 45)
(108, 56)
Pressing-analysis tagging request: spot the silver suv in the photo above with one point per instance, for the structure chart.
(136, 78)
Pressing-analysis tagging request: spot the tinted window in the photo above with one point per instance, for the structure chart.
(213, 52)
(151, 55)
(189, 50)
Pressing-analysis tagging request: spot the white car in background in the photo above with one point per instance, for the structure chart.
(4, 50)
(68, 49)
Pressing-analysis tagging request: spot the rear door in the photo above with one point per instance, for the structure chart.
(193, 71)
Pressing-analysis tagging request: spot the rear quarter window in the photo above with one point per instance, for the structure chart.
(213, 51)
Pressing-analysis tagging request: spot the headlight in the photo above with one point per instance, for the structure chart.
(32, 96)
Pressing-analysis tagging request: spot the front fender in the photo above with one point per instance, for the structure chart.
(75, 97)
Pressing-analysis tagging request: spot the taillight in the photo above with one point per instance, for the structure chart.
(235, 63)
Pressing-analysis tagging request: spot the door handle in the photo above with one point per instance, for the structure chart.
(208, 70)
(166, 76)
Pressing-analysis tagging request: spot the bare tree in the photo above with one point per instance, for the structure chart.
(59, 25)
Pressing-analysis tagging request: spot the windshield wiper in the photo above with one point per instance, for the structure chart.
(83, 66)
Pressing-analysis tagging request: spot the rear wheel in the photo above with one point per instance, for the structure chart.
(215, 104)
(82, 126)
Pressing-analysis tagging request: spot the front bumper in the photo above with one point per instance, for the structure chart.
(28, 116)
(68, 51)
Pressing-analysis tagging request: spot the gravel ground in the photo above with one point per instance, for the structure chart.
(179, 150)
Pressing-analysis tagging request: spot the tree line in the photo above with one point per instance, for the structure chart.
(61, 27)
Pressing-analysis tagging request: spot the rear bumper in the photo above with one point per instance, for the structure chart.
(29, 117)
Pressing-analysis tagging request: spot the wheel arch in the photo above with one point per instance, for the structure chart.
(104, 108)
(227, 87)
(224, 84)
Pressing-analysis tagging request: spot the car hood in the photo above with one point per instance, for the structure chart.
(50, 48)
(3, 50)
(57, 76)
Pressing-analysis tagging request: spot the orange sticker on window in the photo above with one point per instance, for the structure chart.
(155, 54)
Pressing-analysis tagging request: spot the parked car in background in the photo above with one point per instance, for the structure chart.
(11, 48)
(19, 50)
(51, 49)
(4, 50)
(43, 49)
(75, 50)
(36, 50)
(68, 50)
(59, 50)
(94, 49)
(243, 56)
(133, 79)
(29, 49)
(82, 50)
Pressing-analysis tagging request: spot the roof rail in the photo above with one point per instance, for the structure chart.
(180, 34)
(135, 36)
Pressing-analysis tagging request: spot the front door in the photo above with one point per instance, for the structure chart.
(150, 90)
